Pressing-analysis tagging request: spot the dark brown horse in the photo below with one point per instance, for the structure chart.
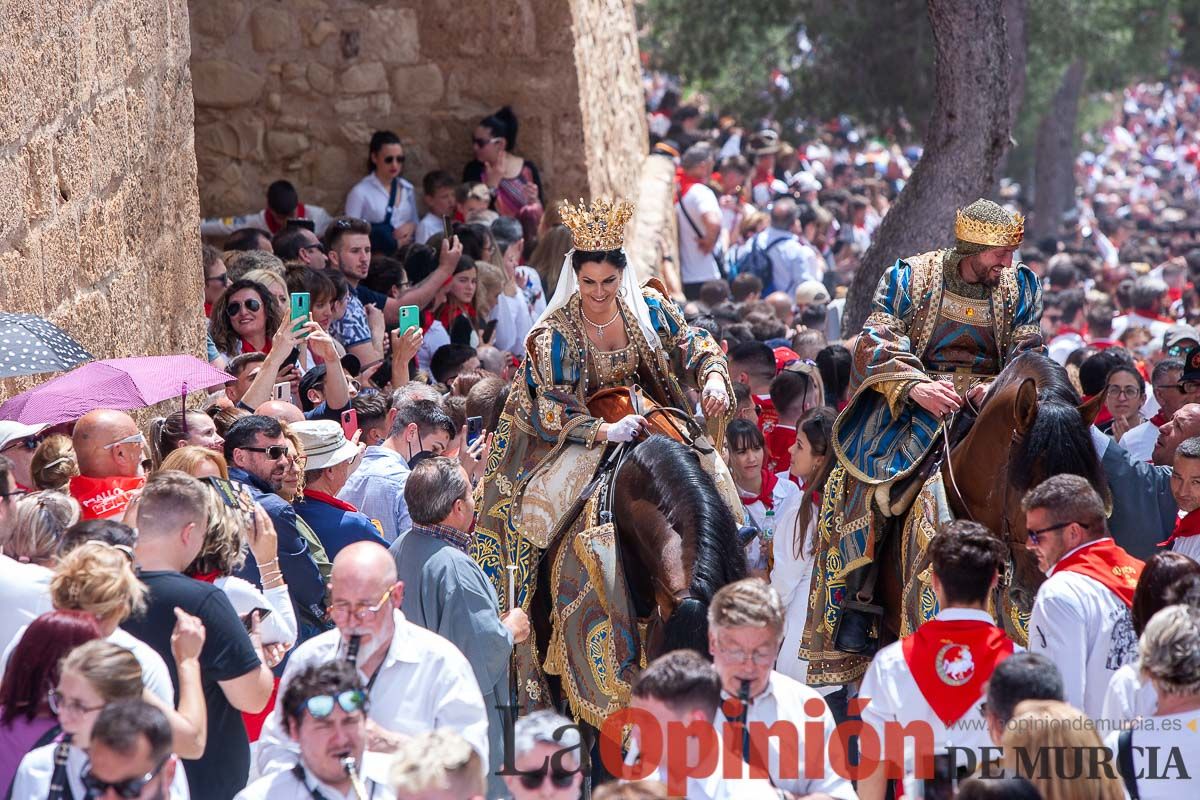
(1031, 426)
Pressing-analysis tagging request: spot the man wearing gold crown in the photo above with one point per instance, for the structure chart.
(599, 330)
(943, 325)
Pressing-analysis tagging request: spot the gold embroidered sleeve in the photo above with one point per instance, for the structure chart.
(896, 393)
(557, 411)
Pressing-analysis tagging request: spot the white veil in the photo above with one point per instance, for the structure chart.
(635, 303)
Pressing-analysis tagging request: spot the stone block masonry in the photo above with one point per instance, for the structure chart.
(294, 90)
(98, 201)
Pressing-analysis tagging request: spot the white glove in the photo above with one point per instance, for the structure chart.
(626, 428)
(714, 387)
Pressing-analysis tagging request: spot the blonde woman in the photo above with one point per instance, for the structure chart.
(54, 463)
(1041, 728)
(98, 578)
(199, 462)
(92, 676)
(38, 526)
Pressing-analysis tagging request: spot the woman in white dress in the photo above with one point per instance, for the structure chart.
(794, 545)
(762, 492)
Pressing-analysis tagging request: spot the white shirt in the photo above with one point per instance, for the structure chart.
(756, 515)
(277, 628)
(895, 697)
(429, 226)
(1061, 346)
(155, 675)
(714, 786)
(284, 785)
(696, 266)
(513, 322)
(24, 596)
(37, 768)
(222, 226)
(1139, 441)
(1129, 696)
(792, 578)
(434, 338)
(1084, 628)
(783, 700)
(1188, 545)
(368, 200)
(424, 683)
(1169, 746)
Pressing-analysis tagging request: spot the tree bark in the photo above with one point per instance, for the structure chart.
(1016, 15)
(1054, 158)
(968, 133)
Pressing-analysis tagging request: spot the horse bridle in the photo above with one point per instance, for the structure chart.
(689, 434)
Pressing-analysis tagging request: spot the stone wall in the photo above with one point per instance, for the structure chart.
(294, 90)
(98, 175)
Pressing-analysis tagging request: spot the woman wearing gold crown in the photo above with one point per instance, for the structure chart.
(599, 330)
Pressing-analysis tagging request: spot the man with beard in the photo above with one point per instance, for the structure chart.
(257, 453)
(943, 325)
(417, 680)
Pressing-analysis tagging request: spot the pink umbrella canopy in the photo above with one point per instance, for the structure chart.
(118, 383)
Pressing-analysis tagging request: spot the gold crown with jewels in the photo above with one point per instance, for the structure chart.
(601, 227)
(992, 234)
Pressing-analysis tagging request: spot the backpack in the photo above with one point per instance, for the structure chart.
(758, 263)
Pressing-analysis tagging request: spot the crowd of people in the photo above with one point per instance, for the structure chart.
(278, 595)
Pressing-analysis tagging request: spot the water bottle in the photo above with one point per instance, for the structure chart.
(768, 529)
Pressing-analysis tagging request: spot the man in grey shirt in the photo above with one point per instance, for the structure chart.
(446, 592)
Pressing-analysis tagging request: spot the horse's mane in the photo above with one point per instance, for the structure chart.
(689, 497)
(1059, 442)
(1051, 378)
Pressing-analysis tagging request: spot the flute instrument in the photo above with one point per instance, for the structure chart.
(350, 765)
(744, 697)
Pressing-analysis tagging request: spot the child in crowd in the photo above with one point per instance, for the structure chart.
(761, 491)
(440, 201)
(795, 391)
(470, 198)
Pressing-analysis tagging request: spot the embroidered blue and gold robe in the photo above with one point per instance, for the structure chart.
(927, 322)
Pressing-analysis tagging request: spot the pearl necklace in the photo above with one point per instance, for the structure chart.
(600, 328)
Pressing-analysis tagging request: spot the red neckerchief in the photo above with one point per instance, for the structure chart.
(207, 310)
(328, 499)
(1106, 562)
(276, 227)
(951, 662)
(685, 182)
(26, 489)
(249, 348)
(1188, 525)
(452, 310)
(104, 498)
(1158, 420)
(1104, 344)
(766, 494)
(1154, 315)
(206, 577)
(779, 441)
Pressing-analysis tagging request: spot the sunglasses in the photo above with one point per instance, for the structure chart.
(128, 788)
(233, 309)
(560, 779)
(393, 159)
(482, 142)
(274, 452)
(322, 705)
(136, 438)
(29, 443)
(317, 246)
(222, 279)
(1036, 535)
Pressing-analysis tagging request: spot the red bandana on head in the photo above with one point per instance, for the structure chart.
(1188, 525)
(104, 498)
(951, 662)
(1106, 562)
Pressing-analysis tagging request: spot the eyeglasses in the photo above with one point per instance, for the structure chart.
(761, 658)
(1036, 535)
(560, 778)
(128, 789)
(28, 442)
(136, 438)
(341, 612)
(222, 279)
(393, 159)
(233, 309)
(1187, 387)
(322, 705)
(274, 452)
(317, 246)
(483, 142)
(1123, 391)
(61, 705)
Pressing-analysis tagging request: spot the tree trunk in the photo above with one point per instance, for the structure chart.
(1016, 16)
(967, 134)
(1054, 159)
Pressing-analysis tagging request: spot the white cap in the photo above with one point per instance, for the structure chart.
(12, 431)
